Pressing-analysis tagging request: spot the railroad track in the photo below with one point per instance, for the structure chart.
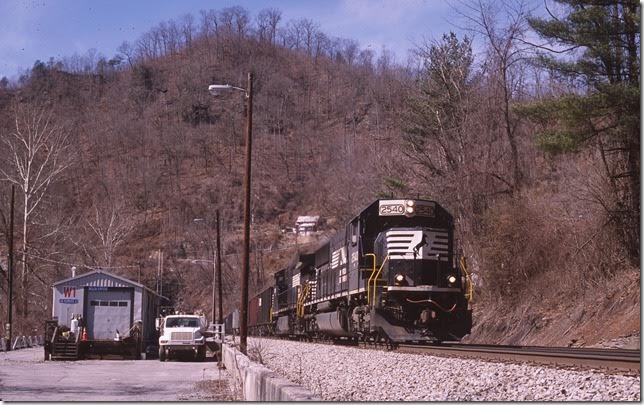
(608, 359)
(612, 359)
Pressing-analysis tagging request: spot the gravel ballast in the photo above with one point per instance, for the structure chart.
(341, 373)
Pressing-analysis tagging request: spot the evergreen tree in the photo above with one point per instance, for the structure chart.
(603, 109)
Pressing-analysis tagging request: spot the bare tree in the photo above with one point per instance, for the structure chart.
(506, 51)
(126, 49)
(38, 152)
(111, 228)
(187, 29)
(274, 17)
(263, 26)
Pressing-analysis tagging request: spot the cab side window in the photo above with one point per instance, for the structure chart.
(354, 231)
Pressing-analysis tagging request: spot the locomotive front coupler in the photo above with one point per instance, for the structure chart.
(426, 316)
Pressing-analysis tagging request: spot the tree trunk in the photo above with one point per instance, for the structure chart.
(23, 275)
(509, 132)
(634, 223)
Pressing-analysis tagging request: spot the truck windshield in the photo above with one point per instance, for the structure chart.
(181, 322)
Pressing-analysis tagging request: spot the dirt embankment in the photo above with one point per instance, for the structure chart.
(605, 315)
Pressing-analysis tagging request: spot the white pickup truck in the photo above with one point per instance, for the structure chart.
(182, 333)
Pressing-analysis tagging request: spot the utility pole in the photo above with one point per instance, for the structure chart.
(215, 90)
(243, 313)
(10, 310)
(160, 273)
(214, 281)
(219, 288)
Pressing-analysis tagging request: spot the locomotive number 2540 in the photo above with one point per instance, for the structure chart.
(392, 209)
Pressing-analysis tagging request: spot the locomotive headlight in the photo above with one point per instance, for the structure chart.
(451, 279)
(410, 203)
(399, 279)
(409, 210)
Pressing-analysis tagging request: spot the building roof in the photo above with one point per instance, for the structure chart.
(108, 274)
(307, 218)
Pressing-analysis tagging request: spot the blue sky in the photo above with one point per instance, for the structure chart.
(40, 29)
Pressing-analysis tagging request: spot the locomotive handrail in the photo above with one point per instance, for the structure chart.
(470, 286)
(370, 276)
(300, 300)
(375, 280)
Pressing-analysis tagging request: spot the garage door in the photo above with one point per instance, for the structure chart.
(107, 312)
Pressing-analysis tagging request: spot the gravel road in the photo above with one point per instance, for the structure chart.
(25, 376)
(341, 373)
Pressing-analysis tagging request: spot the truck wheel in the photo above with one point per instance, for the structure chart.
(201, 353)
(162, 353)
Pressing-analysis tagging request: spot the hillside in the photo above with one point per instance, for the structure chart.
(149, 150)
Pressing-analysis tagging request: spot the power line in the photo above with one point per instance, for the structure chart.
(78, 264)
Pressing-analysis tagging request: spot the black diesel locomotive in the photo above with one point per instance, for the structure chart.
(390, 276)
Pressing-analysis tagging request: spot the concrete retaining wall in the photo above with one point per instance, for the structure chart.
(259, 383)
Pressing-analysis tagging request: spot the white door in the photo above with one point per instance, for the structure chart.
(107, 313)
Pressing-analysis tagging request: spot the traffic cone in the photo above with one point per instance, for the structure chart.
(84, 335)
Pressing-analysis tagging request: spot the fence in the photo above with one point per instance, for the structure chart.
(21, 342)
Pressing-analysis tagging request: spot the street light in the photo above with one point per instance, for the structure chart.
(216, 89)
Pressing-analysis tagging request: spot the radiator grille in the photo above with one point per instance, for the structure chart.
(181, 336)
(411, 244)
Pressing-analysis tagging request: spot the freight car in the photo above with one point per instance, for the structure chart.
(260, 317)
(231, 323)
(390, 275)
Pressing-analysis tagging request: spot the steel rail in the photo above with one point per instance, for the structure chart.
(588, 357)
(612, 359)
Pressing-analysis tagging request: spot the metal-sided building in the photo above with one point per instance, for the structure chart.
(107, 303)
